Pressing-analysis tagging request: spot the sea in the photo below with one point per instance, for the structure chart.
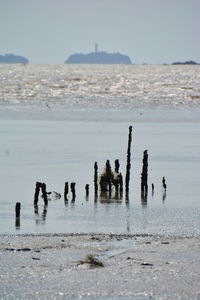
(56, 121)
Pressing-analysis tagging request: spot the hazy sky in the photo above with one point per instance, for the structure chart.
(149, 31)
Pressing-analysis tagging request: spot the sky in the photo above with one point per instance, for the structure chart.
(148, 31)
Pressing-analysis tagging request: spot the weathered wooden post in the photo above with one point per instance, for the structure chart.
(117, 165)
(37, 191)
(121, 185)
(87, 190)
(128, 163)
(165, 189)
(164, 183)
(66, 191)
(17, 215)
(44, 192)
(95, 179)
(41, 186)
(17, 209)
(144, 174)
(72, 186)
(116, 179)
(109, 176)
(152, 188)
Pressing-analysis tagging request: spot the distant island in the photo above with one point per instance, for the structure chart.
(190, 62)
(98, 57)
(13, 59)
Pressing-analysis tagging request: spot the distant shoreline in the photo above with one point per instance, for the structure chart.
(12, 58)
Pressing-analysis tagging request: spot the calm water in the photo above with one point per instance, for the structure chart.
(56, 121)
(58, 151)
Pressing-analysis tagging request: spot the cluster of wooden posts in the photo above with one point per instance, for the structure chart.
(113, 179)
(106, 182)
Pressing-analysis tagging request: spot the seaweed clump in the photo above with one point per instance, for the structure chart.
(92, 261)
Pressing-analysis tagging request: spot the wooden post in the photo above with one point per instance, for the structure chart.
(87, 190)
(109, 176)
(37, 191)
(164, 183)
(44, 192)
(95, 178)
(72, 186)
(17, 215)
(165, 189)
(41, 186)
(152, 187)
(66, 191)
(17, 209)
(128, 163)
(144, 179)
(144, 175)
(121, 185)
(117, 177)
(117, 165)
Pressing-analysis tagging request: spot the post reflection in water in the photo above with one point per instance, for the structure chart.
(66, 201)
(144, 198)
(109, 197)
(72, 203)
(128, 225)
(17, 223)
(164, 195)
(40, 219)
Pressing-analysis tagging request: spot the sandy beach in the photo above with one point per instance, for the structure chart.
(134, 267)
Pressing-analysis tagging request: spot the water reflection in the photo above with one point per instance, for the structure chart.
(128, 225)
(40, 218)
(144, 198)
(110, 197)
(17, 223)
(164, 195)
(72, 203)
(66, 201)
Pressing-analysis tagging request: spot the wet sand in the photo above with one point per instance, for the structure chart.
(135, 267)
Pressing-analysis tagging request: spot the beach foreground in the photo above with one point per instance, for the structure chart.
(134, 267)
